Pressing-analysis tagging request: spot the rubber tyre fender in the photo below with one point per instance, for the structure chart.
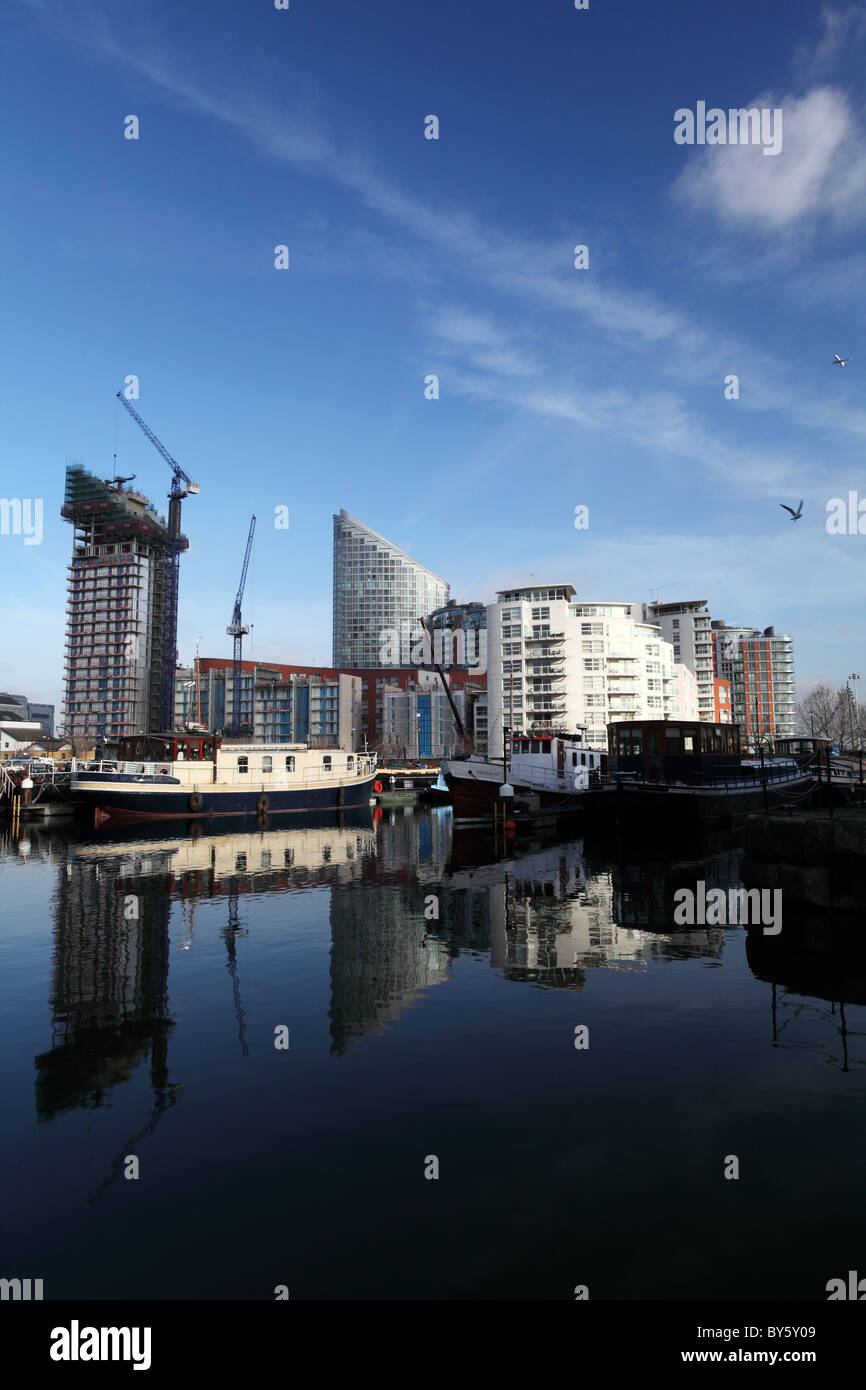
(196, 801)
(263, 805)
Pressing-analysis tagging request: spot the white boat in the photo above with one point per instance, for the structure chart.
(559, 768)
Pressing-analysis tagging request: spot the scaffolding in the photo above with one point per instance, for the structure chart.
(116, 609)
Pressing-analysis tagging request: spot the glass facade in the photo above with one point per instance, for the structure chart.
(379, 595)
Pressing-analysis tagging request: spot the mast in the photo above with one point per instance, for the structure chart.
(464, 737)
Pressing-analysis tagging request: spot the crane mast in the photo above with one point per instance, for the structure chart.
(181, 486)
(236, 629)
(465, 740)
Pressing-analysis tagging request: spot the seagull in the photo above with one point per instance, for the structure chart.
(795, 515)
(839, 361)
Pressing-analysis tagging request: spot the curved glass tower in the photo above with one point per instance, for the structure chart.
(379, 595)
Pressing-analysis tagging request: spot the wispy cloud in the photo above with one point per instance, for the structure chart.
(820, 168)
(842, 28)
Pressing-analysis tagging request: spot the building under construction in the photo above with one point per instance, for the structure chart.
(117, 614)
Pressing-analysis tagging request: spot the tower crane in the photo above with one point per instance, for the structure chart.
(182, 486)
(236, 629)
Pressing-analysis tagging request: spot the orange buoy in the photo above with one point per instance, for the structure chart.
(377, 786)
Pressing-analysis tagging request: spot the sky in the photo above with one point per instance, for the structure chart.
(606, 386)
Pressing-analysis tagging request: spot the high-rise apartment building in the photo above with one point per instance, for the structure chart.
(687, 627)
(380, 594)
(554, 662)
(760, 668)
(115, 609)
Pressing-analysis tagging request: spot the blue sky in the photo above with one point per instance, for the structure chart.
(559, 387)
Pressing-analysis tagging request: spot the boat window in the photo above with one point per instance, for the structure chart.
(290, 764)
(705, 740)
(326, 764)
(350, 763)
(583, 760)
(535, 746)
(652, 742)
(243, 763)
(688, 743)
(267, 763)
(266, 858)
(574, 760)
(672, 740)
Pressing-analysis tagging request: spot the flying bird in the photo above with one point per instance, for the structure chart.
(795, 515)
(839, 361)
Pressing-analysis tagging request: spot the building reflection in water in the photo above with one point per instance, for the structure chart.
(109, 998)
(816, 972)
(407, 898)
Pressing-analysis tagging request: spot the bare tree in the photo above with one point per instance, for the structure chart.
(823, 713)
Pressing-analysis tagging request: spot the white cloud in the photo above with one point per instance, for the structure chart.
(820, 172)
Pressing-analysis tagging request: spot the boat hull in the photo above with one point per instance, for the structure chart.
(663, 806)
(130, 803)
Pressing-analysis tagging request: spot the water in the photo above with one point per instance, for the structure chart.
(144, 979)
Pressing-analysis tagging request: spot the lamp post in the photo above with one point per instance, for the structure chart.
(852, 709)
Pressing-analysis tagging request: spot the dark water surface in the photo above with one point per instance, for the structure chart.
(142, 981)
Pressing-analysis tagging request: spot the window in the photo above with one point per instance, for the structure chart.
(326, 763)
(290, 764)
(350, 763)
(243, 763)
(267, 764)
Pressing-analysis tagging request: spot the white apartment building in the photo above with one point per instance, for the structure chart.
(554, 662)
(686, 626)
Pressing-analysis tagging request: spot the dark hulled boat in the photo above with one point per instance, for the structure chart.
(687, 772)
(175, 775)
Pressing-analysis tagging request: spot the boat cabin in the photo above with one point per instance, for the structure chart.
(659, 750)
(801, 747)
(167, 748)
(554, 759)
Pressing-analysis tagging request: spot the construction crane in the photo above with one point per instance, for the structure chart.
(182, 486)
(236, 629)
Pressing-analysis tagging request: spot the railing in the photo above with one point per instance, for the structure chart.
(713, 778)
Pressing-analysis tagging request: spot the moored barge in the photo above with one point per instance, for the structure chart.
(192, 775)
(679, 773)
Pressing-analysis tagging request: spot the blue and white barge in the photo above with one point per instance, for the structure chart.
(197, 776)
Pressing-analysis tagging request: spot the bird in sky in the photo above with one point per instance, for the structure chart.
(795, 515)
(839, 361)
